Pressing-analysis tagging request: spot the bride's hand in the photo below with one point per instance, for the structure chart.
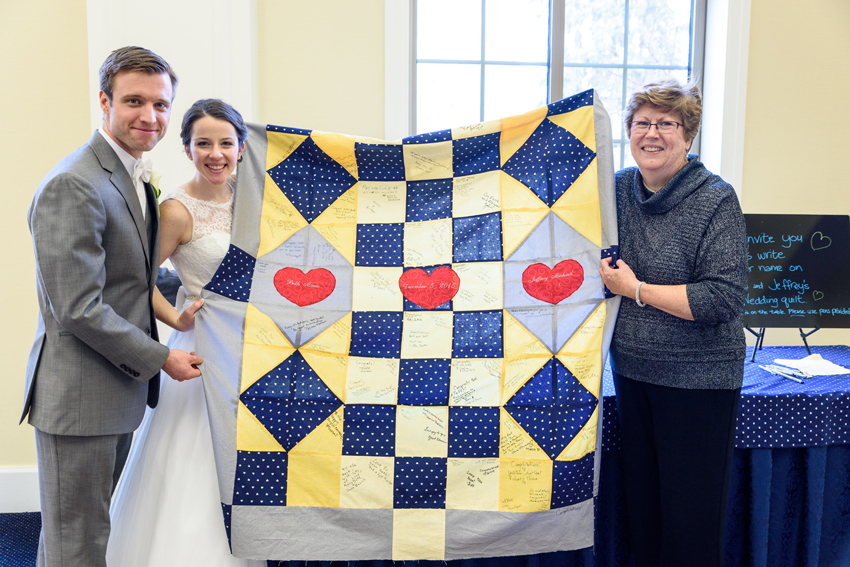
(186, 321)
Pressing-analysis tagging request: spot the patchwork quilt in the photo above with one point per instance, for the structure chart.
(404, 345)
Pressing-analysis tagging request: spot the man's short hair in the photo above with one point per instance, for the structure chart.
(132, 58)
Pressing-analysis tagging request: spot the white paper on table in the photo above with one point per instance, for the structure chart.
(813, 364)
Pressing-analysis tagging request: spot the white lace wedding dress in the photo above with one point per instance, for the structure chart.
(167, 509)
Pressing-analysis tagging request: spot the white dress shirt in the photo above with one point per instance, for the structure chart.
(130, 164)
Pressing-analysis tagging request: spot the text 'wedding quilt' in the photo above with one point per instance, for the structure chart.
(404, 345)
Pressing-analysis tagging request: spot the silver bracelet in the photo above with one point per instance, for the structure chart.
(637, 295)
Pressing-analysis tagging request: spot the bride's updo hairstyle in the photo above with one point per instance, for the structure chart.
(216, 109)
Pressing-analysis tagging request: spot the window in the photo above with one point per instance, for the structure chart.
(479, 60)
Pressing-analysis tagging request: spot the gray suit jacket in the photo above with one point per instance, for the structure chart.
(96, 356)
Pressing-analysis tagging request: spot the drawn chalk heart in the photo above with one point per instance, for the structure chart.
(304, 289)
(817, 295)
(553, 285)
(429, 291)
(822, 241)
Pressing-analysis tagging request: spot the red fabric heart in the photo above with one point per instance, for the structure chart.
(429, 291)
(553, 285)
(304, 289)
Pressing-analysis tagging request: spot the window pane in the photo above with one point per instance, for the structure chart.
(448, 29)
(513, 89)
(659, 32)
(447, 96)
(593, 31)
(629, 160)
(608, 83)
(517, 30)
(618, 149)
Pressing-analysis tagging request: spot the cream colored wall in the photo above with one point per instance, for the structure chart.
(45, 101)
(321, 65)
(798, 119)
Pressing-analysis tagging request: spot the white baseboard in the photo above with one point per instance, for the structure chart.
(19, 490)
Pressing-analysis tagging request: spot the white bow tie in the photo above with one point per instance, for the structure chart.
(142, 170)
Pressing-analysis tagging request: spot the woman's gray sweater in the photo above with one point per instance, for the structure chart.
(690, 232)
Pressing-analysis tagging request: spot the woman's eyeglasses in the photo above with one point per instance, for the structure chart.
(641, 126)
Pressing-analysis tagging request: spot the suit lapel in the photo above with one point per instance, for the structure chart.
(122, 182)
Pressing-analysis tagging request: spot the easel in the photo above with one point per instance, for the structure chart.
(760, 339)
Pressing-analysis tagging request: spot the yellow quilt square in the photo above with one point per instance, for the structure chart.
(371, 380)
(428, 243)
(475, 381)
(422, 431)
(313, 480)
(381, 201)
(376, 289)
(427, 161)
(472, 484)
(419, 534)
(366, 482)
(479, 129)
(477, 194)
(480, 286)
(526, 485)
(427, 334)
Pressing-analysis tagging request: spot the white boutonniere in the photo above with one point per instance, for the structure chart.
(155, 177)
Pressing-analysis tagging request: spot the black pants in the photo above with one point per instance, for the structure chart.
(677, 455)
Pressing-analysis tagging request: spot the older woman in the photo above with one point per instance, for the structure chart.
(678, 346)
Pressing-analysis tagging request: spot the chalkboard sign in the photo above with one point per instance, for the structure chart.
(799, 271)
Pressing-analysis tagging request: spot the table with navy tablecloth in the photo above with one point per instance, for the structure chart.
(789, 494)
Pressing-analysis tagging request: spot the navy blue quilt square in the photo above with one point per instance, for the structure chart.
(420, 482)
(477, 334)
(287, 130)
(537, 422)
(379, 162)
(369, 430)
(568, 422)
(477, 239)
(311, 179)
(429, 200)
(380, 245)
(305, 416)
(572, 481)
(538, 390)
(234, 275)
(424, 381)
(571, 103)
(428, 137)
(476, 154)
(565, 159)
(473, 432)
(376, 334)
(276, 384)
(226, 511)
(273, 414)
(260, 479)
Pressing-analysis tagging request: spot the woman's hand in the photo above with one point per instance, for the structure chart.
(186, 321)
(620, 281)
(672, 299)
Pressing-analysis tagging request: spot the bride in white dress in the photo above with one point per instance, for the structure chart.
(166, 510)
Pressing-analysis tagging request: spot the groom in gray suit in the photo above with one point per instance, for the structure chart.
(96, 357)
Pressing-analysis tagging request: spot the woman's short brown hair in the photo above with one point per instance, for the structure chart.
(669, 96)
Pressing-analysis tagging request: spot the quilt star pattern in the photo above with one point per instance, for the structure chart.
(404, 344)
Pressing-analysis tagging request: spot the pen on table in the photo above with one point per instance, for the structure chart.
(777, 373)
(787, 371)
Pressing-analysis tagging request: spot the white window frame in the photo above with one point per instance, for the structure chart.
(724, 80)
